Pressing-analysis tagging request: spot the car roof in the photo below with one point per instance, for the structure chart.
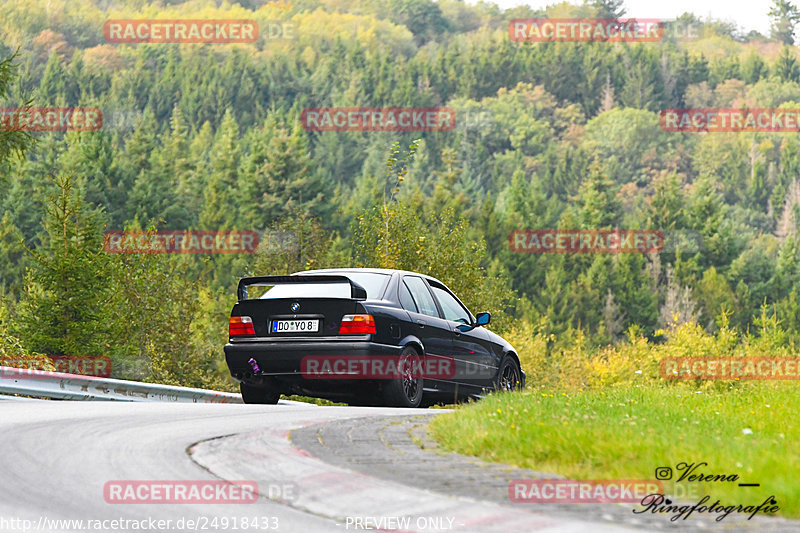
(387, 271)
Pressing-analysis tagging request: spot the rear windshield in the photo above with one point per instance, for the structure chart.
(372, 282)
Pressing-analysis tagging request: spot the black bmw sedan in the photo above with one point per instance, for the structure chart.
(363, 336)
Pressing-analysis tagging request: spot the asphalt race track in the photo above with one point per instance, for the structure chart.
(58, 456)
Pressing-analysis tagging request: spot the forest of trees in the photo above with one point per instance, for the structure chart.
(548, 135)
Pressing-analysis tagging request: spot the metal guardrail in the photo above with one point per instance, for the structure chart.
(61, 386)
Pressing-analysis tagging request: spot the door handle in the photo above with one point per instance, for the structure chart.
(421, 323)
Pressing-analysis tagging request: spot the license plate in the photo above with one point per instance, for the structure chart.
(295, 326)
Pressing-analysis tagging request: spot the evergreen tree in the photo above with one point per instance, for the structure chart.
(597, 202)
(786, 67)
(612, 9)
(172, 161)
(63, 307)
(220, 202)
(783, 19)
(53, 87)
(280, 179)
(13, 257)
(152, 197)
(706, 213)
(753, 68)
(12, 142)
(90, 157)
(666, 211)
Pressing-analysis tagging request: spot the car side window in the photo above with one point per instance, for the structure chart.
(405, 298)
(422, 296)
(452, 309)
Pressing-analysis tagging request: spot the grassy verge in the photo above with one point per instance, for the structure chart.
(12, 354)
(627, 432)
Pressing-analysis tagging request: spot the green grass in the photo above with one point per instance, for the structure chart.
(627, 432)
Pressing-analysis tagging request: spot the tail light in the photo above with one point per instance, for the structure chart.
(241, 325)
(357, 324)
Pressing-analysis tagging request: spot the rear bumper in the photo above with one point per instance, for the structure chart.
(283, 360)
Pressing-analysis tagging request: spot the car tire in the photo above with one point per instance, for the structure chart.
(509, 375)
(258, 394)
(405, 391)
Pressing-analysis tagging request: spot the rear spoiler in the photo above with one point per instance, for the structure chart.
(357, 292)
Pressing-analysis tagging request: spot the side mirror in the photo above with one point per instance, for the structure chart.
(481, 319)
